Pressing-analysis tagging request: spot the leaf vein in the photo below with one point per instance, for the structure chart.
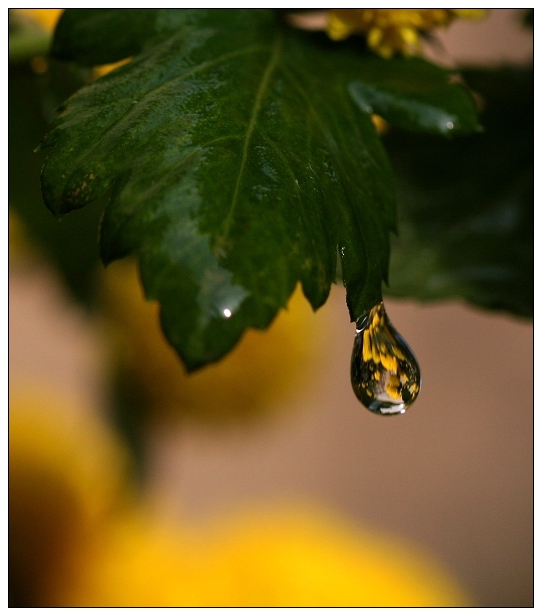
(154, 90)
(271, 65)
(145, 195)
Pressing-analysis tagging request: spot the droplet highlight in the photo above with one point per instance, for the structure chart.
(385, 374)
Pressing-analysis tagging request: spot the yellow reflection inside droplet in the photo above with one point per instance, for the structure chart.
(385, 373)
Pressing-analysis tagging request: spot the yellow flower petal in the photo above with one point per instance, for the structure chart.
(409, 35)
(337, 29)
(390, 31)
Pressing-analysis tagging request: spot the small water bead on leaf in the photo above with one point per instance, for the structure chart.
(385, 374)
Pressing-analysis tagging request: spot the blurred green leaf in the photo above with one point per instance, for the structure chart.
(238, 163)
(102, 36)
(466, 207)
(71, 245)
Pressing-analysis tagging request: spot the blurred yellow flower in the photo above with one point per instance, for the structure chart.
(78, 538)
(393, 30)
(263, 367)
(141, 561)
(303, 556)
(269, 556)
(65, 475)
(46, 18)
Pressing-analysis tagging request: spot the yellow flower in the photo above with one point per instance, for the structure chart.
(287, 555)
(75, 539)
(262, 368)
(46, 18)
(64, 478)
(138, 560)
(302, 556)
(393, 30)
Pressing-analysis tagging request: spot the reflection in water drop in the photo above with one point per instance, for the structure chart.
(385, 374)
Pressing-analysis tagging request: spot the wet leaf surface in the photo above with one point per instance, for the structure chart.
(239, 161)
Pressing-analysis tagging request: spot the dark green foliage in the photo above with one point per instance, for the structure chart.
(414, 95)
(102, 36)
(466, 207)
(72, 244)
(240, 158)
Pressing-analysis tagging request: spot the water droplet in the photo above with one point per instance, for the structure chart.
(385, 374)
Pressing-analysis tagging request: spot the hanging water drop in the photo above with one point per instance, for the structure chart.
(385, 374)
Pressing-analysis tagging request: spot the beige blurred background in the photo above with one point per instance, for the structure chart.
(454, 474)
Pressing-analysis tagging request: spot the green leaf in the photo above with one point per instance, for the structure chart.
(72, 244)
(101, 36)
(414, 95)
(466, 207)
(237, 163)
